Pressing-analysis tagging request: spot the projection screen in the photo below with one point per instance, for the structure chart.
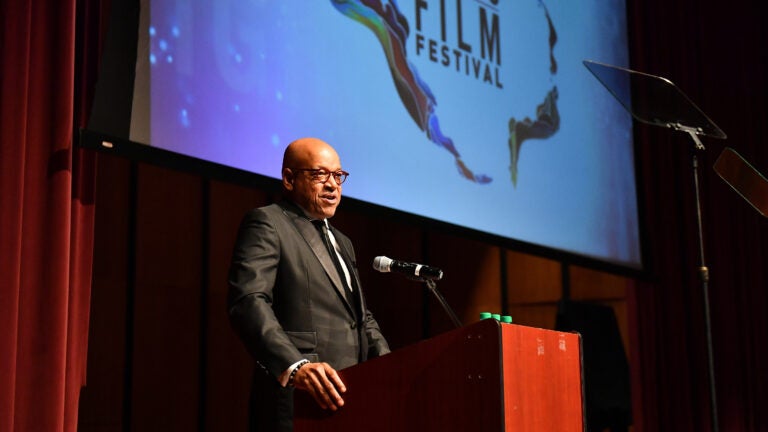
(476, 113)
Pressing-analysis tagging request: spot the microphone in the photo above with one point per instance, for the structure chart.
(413, 271)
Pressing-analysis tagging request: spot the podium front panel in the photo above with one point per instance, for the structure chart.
(542, 377)
(449, 382)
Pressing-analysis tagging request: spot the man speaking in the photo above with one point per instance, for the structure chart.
(294, 293)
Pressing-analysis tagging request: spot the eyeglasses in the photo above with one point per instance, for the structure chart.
(320, 175)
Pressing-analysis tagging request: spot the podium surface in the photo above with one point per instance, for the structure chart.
(487, 376)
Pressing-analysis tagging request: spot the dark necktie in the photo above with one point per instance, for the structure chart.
(335, 258)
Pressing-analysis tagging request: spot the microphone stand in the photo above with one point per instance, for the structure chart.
(433, 287)
(703, 271)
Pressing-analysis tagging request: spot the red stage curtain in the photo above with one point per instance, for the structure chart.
(46, 216)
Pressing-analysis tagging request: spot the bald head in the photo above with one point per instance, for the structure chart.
(301, 159)
(304, 151)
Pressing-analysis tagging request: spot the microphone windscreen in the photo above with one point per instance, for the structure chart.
(382, 264)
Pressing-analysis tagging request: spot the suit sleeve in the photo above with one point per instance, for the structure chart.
(377, 345)
(252, 276)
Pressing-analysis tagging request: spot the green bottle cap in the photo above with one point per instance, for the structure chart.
(497, 317)
(485, 315)
(506, 319)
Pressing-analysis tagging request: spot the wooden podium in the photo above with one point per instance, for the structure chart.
(483, 377)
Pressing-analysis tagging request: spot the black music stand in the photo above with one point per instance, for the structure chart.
(657, 101)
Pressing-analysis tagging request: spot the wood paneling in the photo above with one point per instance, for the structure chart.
(101, 400)
(166, 343)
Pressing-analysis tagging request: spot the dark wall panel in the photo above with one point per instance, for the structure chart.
(101, 400)
(471, 283)
(228, 366)
(167, 300)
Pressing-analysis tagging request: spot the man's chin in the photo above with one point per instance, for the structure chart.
(329, 213)
(324, 212)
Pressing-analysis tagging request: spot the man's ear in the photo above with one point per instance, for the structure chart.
(288, 179)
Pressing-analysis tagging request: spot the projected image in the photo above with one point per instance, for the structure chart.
(478, 113)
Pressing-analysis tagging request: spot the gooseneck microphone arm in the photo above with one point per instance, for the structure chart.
(432, 285)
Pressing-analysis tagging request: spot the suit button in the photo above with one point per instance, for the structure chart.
(353, 325)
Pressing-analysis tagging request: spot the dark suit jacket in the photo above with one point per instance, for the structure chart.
(286, 302)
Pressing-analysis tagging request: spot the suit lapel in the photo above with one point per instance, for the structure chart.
(307, 230)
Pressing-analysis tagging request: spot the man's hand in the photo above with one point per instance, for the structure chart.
(323, 383)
